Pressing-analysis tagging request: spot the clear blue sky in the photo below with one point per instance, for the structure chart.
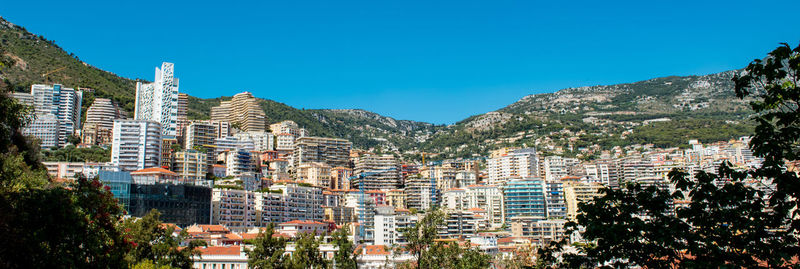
(434, 61)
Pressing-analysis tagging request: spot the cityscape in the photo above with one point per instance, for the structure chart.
(579, 178)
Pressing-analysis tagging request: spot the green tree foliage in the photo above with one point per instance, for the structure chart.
(154, 241)
(46, 224)
(306, 254)
(71, 153)
(430, 253)
(733, 218)
(345, 257)
(267, 252)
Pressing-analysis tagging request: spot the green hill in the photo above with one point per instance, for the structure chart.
(29, 59)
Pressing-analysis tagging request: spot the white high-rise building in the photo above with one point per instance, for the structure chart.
(521, 163)
(64, 104)
(136, 144)
(158, 101)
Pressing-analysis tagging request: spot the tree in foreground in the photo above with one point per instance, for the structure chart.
(432, 253)
(306, 253)
(267, 252)
(155, 242)
(48, 224)
(733, 218)
(345, 257)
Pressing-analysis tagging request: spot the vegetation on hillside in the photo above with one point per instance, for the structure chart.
(729, 219)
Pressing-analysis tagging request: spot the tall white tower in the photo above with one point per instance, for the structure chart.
(158, 101)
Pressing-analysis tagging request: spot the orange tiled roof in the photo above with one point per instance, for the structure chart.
(307, 222)
(376, 250)
(152, 170)
(230, 250)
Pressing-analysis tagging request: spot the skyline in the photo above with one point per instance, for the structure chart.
(437, 63)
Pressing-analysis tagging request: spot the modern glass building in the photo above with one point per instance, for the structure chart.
(525, 198)
(180, 204)
(119, 183)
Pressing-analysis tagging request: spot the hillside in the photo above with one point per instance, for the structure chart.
(583, 121)
(578, 122)
(28, 58)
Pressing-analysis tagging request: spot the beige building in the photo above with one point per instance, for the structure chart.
(191, 166)
(243, 110)
(396, 198)
(381, 172)
(332, 151)
(315, 173)
(577, 192)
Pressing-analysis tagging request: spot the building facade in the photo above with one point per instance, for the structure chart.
(136, 144)
(158, 101)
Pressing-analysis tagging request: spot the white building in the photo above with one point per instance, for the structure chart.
(597, 173)
(136, 144)
(521, 163)
(158, 101)
(557, 167)
(262, 141)
(486, 197)
(219, 257)
(55, 107)
(390, 224)
(45, 128)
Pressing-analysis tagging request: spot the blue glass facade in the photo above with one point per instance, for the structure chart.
(119, 183)
(525, 198)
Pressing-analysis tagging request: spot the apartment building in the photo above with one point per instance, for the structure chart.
(235, 209)
(486, 197)
(396, 198)
(158, 101)
(262, 141)
(598, 173)
(378, 172)
(241, 162)
(47, 129)
(525, 198)
(340, 178)
(556, 167)
(57, 110)
(243, 110)
(136, 144)
(332, 151)
(191, 166)
(521, 163)
(100, 121)
(286, 127)
(315, 173)
(421, 193)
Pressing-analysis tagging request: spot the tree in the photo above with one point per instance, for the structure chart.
(345, 257)
(430, 253)
(734, 218)
(155, 241)
(306, 253)
(49, 224)
(267, 252)
(72, 139)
